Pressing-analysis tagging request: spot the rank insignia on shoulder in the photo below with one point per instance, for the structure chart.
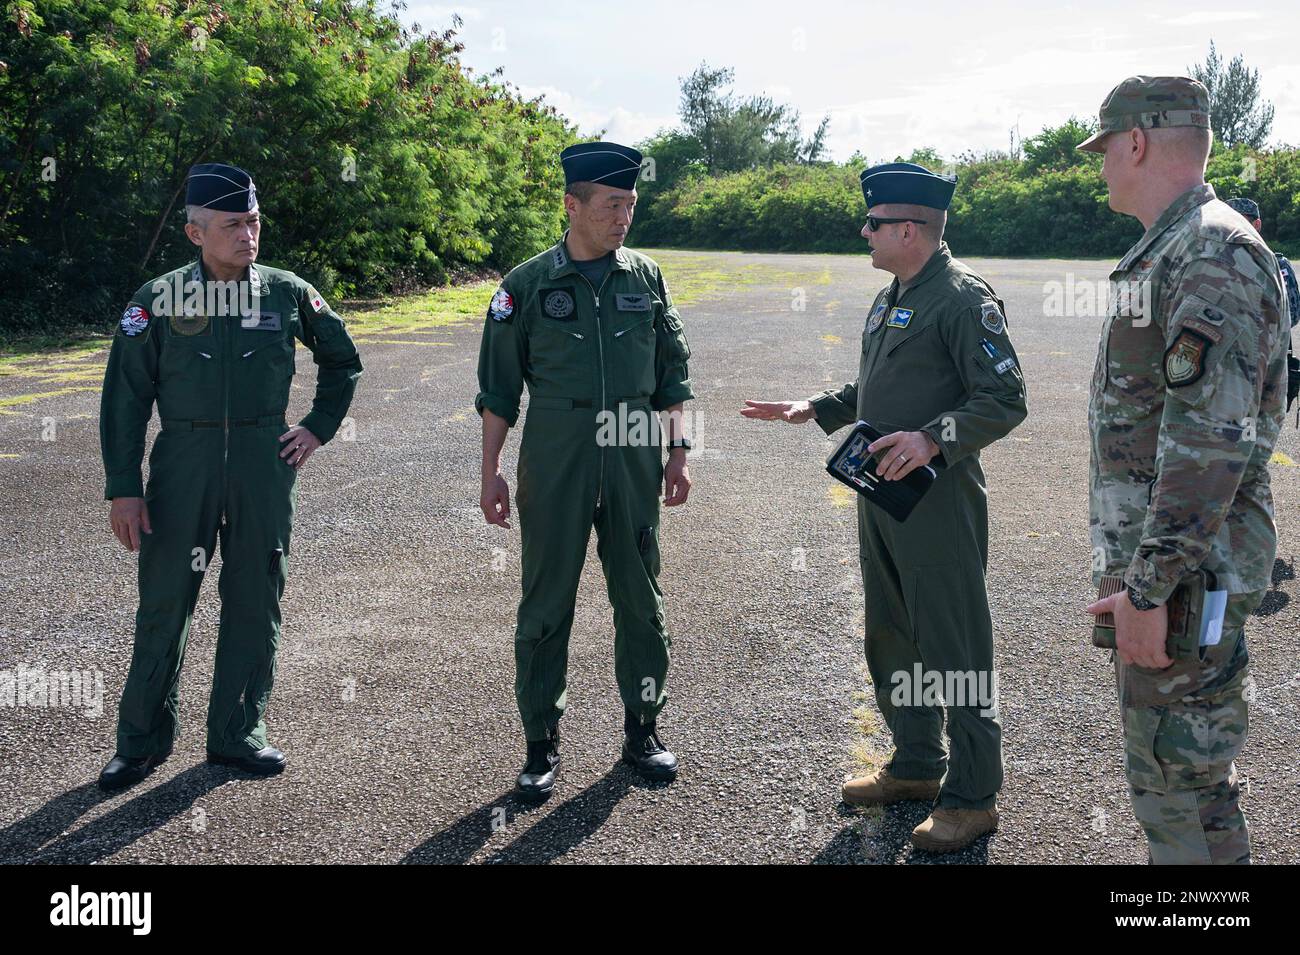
(1185, 359)
(899, 317)
(134, 321)
(991, 317)
(502, 307)
(877, 318)
(557, 303)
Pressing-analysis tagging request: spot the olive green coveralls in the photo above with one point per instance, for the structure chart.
(620, 349)
(221, 382)
(935, 358)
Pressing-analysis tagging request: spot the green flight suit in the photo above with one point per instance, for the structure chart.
(619, 349)
(220, 372)
(935, 358)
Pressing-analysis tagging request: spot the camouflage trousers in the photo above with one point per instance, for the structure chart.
(1179, 752)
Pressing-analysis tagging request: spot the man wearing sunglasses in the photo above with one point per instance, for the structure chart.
(939, 377)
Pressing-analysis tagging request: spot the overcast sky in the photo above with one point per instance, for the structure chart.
(953, 76)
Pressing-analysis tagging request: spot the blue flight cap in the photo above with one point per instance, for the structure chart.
(606, 163)
(214, 185)
(906, 183)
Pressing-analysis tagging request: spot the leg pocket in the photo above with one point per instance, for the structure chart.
(1141, 766)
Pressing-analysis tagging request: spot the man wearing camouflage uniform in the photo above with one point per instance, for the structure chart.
(1185, 405)
(1249, 208)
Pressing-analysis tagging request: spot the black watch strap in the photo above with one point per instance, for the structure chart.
(680, 443)
(1138, 601)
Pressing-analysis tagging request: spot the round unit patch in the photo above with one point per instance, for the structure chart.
(502, 306)
(558, 304)
(134, 321)
(189, 324)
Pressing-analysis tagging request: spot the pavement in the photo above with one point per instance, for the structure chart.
(394, 694)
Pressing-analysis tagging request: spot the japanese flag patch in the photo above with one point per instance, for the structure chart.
(313, 296)
(135, 320)
(502, 306)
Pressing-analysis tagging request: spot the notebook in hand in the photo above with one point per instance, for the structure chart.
(854, 465)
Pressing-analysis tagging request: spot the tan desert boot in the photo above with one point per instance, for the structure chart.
(949, 829)
(882, 788)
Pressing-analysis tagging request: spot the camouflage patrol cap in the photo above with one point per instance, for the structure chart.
(1150, 102)
(1247, 207)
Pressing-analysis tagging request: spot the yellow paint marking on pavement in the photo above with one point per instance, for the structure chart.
(840, 495)
(366, 340)
(832, 339)
(28, 399)
(1283, 459)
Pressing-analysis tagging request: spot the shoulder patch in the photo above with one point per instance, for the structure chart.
(317, 303)
(991, 317)
(502, 306)
(135, 321)
(877, 318)
(1185, 358)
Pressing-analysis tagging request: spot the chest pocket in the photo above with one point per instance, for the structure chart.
(896, 338)
(632, 355)
(264, 355)
(189, 356)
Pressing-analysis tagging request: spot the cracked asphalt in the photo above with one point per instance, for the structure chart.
(394, 697)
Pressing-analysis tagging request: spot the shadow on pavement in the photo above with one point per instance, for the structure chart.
(40, 837)
(567, 826)
(887, 840)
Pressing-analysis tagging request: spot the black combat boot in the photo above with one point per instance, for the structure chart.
(123, 771)
(537, 779)
(644, 752)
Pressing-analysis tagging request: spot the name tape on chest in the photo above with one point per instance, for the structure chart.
(261, 322)
(631, 303)
(899, 317)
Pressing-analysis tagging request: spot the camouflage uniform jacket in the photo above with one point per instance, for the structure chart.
(1186, 404)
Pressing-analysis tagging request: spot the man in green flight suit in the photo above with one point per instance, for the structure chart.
(939, 377)
(589, 326)
(213, 344)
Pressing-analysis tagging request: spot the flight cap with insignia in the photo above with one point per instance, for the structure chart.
(1150, 102)
(214, 185)
(1247, 207)
(908, 184)
(606, 163)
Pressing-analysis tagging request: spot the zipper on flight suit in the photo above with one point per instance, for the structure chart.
(600, 343)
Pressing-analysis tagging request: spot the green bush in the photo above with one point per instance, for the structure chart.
(380, 160)
(1001, 207)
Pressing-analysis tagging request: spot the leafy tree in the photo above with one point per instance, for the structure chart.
(381, 161)
(1237, 115)
(1056, 147)
(736, 132)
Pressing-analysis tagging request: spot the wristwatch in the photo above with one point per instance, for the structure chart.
(1138, 601)
(680, 443)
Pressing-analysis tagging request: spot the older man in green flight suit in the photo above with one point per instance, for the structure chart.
(589, 326)
(212, 344)
(939, 378)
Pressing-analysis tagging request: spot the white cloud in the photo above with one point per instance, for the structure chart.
(1210, 16)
